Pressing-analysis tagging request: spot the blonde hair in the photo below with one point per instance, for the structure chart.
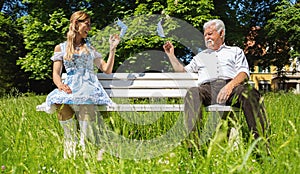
(71, 35)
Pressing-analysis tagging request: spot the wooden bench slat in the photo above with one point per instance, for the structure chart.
(217, 107)
(157, 108)
(161, 84)
(146, 93)
(126, 76)
(143, 108)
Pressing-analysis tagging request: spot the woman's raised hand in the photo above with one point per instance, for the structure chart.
(114, 40)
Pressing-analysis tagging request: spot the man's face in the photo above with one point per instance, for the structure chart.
(213, 39)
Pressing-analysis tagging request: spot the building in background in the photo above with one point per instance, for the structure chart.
(269, 79)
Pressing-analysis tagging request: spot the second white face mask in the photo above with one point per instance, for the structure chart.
(122, 26)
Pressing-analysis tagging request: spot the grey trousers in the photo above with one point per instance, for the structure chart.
(243, 96)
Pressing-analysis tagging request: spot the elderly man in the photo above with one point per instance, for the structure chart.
(222, 72)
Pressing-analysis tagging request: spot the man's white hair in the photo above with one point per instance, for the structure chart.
(218, 23)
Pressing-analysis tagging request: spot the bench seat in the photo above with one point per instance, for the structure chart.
(159, 108)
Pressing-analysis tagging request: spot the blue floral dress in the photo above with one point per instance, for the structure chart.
(81, 78)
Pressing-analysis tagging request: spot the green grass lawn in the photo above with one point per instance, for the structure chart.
(32, 142)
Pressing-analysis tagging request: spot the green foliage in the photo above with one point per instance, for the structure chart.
(286, 21)
(195, 12)
(46, 23)
(142, 44)
(227, 12)
(11, 48)
(44, 27)
(142, 37)
(41, 38)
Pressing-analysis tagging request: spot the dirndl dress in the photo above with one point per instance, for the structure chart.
(81, 78)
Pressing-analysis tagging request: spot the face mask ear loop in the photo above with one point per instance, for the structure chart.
(116, 20)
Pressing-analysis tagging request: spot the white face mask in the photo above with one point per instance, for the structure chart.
(122, 26)
(160, 30)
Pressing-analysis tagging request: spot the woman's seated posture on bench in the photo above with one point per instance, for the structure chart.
(81, 86)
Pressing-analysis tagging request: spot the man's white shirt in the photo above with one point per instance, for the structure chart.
(225, 63)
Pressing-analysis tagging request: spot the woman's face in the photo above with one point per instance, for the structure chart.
(84, 26)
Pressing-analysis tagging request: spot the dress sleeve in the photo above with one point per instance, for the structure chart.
(97, 54)
(57, 56)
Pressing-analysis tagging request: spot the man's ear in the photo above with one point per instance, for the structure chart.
(222, 33)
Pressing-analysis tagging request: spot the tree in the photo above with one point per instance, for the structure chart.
(245, 22)
(12, 8)
(176, 18)
(283, 34)
(40, 38)
(43, 28)
(228, 13)
(258, 24)
(11, 48)
(47, 23)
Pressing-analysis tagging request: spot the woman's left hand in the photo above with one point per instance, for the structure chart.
(114, 40)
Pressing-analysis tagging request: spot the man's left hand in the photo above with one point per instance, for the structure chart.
(224, 94)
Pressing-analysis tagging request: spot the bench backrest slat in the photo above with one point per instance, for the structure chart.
(155, 76)
(146, 93)
(146, 85)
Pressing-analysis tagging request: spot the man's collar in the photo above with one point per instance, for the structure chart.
(221, 47)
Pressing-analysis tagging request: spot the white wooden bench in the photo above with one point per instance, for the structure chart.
(157, 88)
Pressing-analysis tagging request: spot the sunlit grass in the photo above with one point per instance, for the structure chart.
(32, 142)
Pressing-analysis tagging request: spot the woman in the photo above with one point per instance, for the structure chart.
(81, 86)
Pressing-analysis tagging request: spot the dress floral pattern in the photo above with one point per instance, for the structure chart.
(81, 78)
